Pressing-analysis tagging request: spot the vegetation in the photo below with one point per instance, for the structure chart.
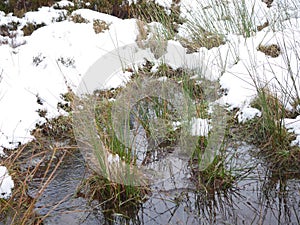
(113, 197)
(271, 50)
(269, 133)
(41, 158)
(35, 162)
(30, 27)
(19, 7)
(213, 178)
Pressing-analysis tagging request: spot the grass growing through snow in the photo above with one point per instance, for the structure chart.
(270, 134)
(143, 114)
(216, 176)
(156, 13)
(269, 130)
(223, 18)
(272, 129)
(112, 159)
(277, 99)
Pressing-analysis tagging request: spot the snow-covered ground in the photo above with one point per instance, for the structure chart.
(6, 183)
(58, 54)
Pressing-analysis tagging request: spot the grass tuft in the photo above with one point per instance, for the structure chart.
(76, 18)
(270, 50)
(100, 26)
(270, 135)
(113, 197)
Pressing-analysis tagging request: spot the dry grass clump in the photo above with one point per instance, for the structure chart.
(202, 39)
(268, 2)
(100, 26)
(29, 28)
(20, 7)
(272, 50)
(6, 30)
(37, 160)
(76, 18)
(143, 33)
(118, 8)
(264, 25)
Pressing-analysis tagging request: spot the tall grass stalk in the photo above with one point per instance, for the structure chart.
(277, 98)
(157, 13)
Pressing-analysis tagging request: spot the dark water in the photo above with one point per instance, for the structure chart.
(59, 199)
(257, 198)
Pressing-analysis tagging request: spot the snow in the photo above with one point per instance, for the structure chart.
(45, 15)
(255, 69)
(57, 55)
(92, 15)
(39, 68)
(247, 113)
(54, 57)
(113, 159)
(293, 125)
(6, 183)
(200, 127)
(176, 125)
(9, 18)
(162, 79)
(118, 79)
(64, 3)
(164, 3)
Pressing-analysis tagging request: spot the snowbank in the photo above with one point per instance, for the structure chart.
(6, 183)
